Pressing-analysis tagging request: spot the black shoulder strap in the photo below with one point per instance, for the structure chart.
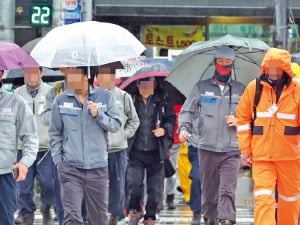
(258, 90)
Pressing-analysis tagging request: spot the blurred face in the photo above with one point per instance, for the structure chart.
(275, 73)
(32, 76)
(146, 88)
(224, 61)
(75, 79)
(63, 70)
(1, 74)
(106, 78)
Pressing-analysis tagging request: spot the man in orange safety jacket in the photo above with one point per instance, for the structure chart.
(272, 144)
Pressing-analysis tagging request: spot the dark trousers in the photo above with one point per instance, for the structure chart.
(58, 205)
(43, 172)
(88, 184)
(150, 162)
(117, 165)
(219, 173)
(8, 199)
(195, 194)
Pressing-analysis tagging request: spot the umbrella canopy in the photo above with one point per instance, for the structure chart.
(87, 43)
(197, 61)
(132, 66)
(28, 46)
(13, 56)
(150, 70)
(16, 76)
(158, 68)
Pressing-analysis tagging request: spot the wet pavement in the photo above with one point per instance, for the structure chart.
(181, 215)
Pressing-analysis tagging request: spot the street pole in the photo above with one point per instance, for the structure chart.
(58, 15)
(281, 18)
(87, 10)
(7, 20)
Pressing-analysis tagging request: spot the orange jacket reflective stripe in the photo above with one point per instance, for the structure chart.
(276, 133)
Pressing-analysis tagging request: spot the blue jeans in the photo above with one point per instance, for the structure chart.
(44, 174)
(117, 165)
(195, 195)
(8, 199)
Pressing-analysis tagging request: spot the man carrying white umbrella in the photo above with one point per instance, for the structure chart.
(80, 120)
(82, 115)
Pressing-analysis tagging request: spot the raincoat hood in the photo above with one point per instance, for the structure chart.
(277, 58)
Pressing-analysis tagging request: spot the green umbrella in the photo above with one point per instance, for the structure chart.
(197, 61)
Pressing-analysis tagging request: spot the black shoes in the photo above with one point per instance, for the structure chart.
(170, 202)
(210, 222)
(226, 222)
(196, 219)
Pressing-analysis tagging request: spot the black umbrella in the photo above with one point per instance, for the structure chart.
(17, 76)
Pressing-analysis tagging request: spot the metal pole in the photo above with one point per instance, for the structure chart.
(7, 20)
(58, 15)
(87, 10)
(281, 18)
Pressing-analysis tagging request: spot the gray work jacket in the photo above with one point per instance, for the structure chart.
(37, 105)
(212, 105)
(76, 137)
(130, 121)
(16, 121)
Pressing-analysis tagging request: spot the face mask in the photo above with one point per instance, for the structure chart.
(1, 84)
(224, 70)
(222, 73)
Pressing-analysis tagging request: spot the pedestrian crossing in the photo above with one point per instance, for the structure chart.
(181, 215)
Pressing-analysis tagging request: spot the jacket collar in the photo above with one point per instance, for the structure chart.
(71, 92)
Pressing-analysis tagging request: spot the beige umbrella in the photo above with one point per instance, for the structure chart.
(28, 46)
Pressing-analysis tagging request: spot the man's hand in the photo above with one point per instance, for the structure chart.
(231, 120)
(22, 171)
(93, 108)
(159, 132)
(247, 159)
(183, 136)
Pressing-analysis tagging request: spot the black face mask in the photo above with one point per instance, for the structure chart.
(1, 84)
(222, 78)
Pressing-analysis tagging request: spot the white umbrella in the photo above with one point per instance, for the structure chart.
(88, 43)
(197, 61)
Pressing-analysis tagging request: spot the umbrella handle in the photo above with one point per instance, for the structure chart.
(89, 110)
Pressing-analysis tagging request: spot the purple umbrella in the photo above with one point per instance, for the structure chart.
(13, 56)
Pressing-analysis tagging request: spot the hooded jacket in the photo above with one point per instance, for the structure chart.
(275, 134)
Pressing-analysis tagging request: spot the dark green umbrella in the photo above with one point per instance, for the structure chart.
(17, 76)
(197, 61)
